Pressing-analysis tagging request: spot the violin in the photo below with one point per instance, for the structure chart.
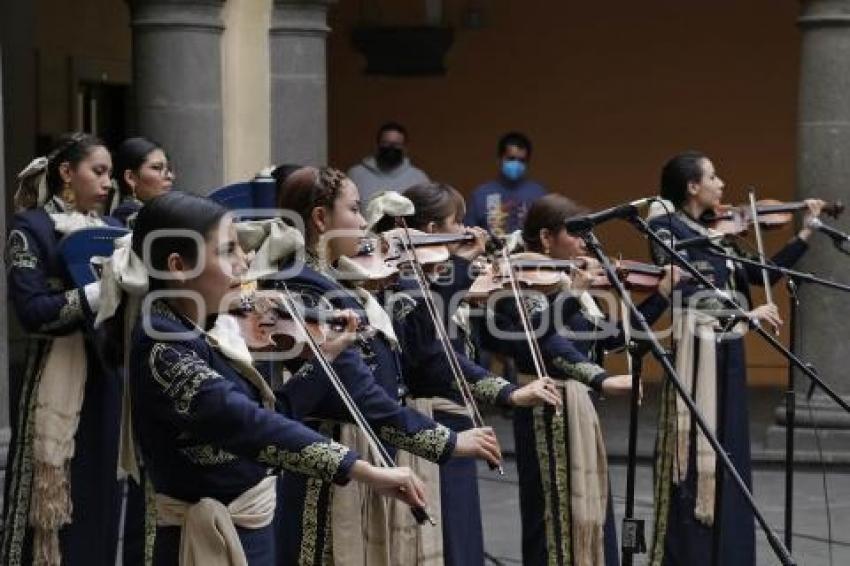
(374, 270)
(423, 239)
(729, 219)
(380, 261)
(267, 327)
(546, 275)
(430, 249)
(410, 253)
(379, 451)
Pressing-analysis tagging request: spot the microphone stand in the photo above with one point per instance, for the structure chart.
(799, 276)
(790, 415)
(633, 533)
(663, 358)
(795, 279)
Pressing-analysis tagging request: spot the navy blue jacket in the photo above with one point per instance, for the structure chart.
(126, 211)
(427, 371)
(201, 426)
(502, 332)
(371, 370)
(45, 300)
(724, 274)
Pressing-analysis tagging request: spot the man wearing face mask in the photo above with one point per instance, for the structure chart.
(389, 168)
(500, 206)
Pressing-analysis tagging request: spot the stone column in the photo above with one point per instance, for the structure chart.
(4, 318)
(299, 99)
(178, 87)
(823, 170)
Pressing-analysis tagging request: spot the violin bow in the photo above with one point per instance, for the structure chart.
(768, 293)
(533, 344)
(457, 372)
(380, 452)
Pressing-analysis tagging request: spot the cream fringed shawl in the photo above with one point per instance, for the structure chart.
(59, 401)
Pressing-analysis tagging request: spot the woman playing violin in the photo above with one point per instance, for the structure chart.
(685, 528)
(204, 418)
(439, 210)
(329, 205)
(555, 529)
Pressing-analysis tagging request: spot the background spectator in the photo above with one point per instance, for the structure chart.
(389, 168)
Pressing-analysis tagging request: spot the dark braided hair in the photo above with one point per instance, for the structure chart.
(310, 187)
(71, 148)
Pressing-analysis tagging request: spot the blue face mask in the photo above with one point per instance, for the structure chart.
(513, 169)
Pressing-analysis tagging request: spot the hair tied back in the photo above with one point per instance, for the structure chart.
(32, 184)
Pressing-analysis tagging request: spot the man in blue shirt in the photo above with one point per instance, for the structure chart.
(500, 206)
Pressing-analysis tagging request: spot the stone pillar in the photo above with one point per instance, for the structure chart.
(299, 99)
(4, 318)
(177, 81)
(823, 170)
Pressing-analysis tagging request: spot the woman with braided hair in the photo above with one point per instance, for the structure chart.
(61, 487)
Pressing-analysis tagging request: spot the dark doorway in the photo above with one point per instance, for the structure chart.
(102, 109)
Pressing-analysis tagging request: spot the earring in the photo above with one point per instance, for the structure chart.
(67, 194)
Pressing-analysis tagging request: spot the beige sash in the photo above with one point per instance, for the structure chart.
(208, 534)
(360, 528)
(588, 478)
(411, 543)
(588, 475)
(57, 415)
(694, 332)
(370, 530)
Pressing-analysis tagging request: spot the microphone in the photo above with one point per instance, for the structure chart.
(698, 242)
(837, 236)
(585, 222)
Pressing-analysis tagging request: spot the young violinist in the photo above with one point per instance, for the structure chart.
(555, 528)
(61, 486)
(205, 420)
(439, 209)
(691, 523)
(329, 205)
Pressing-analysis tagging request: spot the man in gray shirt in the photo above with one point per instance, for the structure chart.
(389, 168)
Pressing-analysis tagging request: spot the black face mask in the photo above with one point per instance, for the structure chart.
(389, 156)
